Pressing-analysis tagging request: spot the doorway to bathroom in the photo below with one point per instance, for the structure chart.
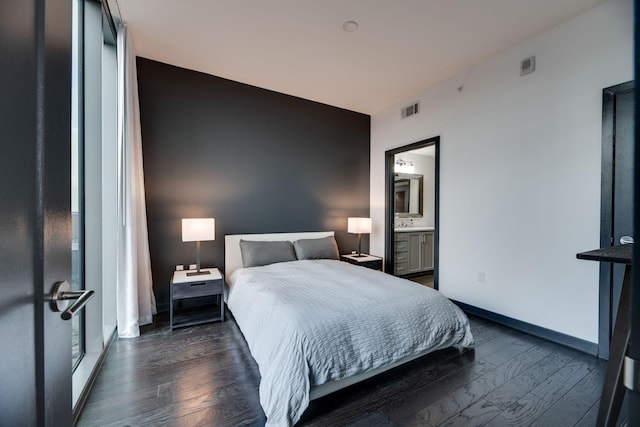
(412, 200)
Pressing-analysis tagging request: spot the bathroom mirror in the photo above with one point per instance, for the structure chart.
(408, 189)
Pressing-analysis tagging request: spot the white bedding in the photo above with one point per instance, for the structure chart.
(309, 322)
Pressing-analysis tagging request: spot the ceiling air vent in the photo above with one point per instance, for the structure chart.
(410, 110)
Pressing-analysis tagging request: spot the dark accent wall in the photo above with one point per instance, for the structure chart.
(257, 161)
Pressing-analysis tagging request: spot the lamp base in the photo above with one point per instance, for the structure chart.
(359, 255)
(198, 273)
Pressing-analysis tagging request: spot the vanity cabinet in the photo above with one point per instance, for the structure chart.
(401, 254)
(413, 252)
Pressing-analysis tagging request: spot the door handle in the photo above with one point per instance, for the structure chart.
(61, 296)
(626, 240)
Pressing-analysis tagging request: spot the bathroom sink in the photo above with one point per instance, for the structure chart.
(411, 229)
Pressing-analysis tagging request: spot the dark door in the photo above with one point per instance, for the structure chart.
(617, 198)
(35, 248)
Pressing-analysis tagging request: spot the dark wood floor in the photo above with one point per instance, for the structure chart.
(205, 376)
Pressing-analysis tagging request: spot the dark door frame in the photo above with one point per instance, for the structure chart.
(606, 302)
(389, 234)
(634, 339)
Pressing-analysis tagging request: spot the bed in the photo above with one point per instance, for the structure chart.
(315, 324)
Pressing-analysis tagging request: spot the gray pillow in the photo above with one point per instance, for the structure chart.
(324, 248)
(255, 254)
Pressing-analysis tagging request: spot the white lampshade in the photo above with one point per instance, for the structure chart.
(359, 225)
(198, 229)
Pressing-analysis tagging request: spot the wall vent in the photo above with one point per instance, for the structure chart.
(528, 66)
(410, 110)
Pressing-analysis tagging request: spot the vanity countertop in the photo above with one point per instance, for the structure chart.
(412, 229)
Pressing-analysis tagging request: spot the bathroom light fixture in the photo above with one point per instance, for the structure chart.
(359, 226)
(404, 166)
(350, 26)
(197, 230)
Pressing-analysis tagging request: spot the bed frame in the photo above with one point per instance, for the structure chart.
(233, 261)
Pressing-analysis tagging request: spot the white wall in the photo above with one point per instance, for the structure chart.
(520, 170)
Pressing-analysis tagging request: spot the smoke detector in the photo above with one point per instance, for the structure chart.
(350, 26)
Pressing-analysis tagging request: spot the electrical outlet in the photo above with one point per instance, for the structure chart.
(192, 266)
(481, 276)
(179, 267)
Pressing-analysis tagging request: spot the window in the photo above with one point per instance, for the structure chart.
(94, 185)
(77, 185)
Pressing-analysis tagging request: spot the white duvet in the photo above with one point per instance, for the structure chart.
(309, 322)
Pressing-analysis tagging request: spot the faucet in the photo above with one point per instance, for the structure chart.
(403, 224)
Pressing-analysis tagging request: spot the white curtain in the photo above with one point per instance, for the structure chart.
(136, 302)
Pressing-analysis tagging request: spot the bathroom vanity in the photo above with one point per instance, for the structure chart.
(413, 250)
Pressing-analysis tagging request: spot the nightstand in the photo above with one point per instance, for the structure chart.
(184, 288)
(369, 261)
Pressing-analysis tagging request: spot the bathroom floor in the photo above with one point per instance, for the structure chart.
(426, 279)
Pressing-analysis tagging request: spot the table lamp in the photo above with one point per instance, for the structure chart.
(198, 230)
(359, 226)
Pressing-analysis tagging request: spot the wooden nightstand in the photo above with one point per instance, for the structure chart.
(369, 261)
(185, 287)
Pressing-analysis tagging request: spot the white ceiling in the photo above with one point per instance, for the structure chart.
(298, 47)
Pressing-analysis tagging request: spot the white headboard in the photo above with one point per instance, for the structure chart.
(233, 257)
